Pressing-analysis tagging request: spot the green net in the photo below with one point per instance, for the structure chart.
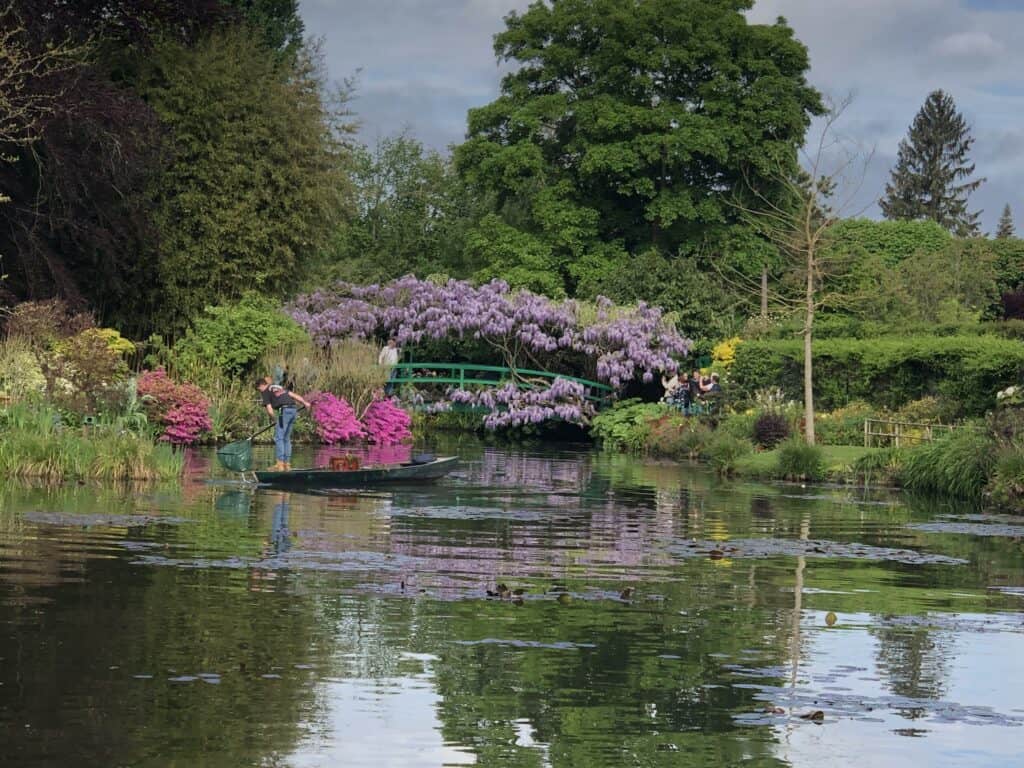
(236, 456)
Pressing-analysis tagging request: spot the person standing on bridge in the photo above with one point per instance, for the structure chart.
(388, 358)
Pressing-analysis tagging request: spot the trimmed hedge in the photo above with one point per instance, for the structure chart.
(887, 373)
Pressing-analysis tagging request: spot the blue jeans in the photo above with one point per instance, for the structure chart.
(280, 536)
(283, 433)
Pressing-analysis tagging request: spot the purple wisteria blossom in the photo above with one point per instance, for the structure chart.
(612, 344)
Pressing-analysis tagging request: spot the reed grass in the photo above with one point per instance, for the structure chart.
(347, 369)
(34, 445)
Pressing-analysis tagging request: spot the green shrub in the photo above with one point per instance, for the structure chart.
(232, 338)
(679, 436)
(882, 465)
(723, 451)
(843, 426)
(1006, 486)
(739, 425)
(964, 372)
(892, 241)
(799, 461)
(958, 464)
(85, 375)
(926, 410)
(627, 424)
(21, 376)
(770, 429)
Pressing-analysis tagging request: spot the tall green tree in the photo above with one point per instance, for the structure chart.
(1006, 228)
(410, 215)
(631, 122)
(931, 179)
(257, 177)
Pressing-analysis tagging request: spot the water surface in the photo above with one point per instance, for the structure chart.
(666, 618)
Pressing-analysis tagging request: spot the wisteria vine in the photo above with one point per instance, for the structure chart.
(612, 344)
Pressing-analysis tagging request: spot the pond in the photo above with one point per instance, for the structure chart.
(648, 615)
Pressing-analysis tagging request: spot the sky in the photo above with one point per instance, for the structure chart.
(421, 64)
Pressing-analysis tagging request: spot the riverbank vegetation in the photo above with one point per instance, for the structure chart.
(184, 189)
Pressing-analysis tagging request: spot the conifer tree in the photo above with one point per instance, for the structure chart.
(931, 179)
(1006, 229)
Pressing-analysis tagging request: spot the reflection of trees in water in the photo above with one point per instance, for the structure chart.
(614, 704)
(915, 663)
(75, 671)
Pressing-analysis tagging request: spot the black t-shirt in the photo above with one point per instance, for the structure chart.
(277, 397)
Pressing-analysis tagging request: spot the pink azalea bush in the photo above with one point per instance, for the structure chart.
(385, 423)
(336, 421)
(182, 409)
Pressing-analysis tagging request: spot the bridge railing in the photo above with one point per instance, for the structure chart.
(468, 374)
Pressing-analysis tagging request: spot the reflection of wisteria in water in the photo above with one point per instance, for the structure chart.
(554, 518)
(368, 455)
(560, 482)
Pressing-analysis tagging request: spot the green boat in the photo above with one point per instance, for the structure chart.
(319, 479)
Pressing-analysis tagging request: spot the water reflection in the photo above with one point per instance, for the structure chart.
(219, 625)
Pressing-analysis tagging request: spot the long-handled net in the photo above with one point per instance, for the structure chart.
(237, 456)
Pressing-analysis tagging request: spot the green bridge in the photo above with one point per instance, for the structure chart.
(464, 375)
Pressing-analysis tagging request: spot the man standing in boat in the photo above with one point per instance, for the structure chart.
(277, 398)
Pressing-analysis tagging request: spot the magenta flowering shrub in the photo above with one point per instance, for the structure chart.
(617, 346)
(385, 423)
(182, 409)
(336, 421)
(186, 422)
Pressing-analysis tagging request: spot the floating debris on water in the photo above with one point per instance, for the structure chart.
(807, 548)
(971, 529)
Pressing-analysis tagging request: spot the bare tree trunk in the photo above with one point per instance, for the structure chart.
(764, 294)
(808, 362)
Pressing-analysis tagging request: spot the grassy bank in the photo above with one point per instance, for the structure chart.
(839, 463)
(982, 460)
(34, 445)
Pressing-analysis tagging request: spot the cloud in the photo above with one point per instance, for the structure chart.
(970, 46)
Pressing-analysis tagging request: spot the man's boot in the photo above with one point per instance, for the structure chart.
(278, 467)
(287, 466)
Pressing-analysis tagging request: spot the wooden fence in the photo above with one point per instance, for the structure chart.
(887, 432)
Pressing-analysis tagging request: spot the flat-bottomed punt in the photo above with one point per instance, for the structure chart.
(354, 478)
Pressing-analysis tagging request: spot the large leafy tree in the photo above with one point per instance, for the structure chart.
(632, 122)
(932, 176)
(256, 178)
(410, 216)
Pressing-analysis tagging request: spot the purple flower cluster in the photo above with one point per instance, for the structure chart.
(621, 343)
(608, 343)
(511, 406)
